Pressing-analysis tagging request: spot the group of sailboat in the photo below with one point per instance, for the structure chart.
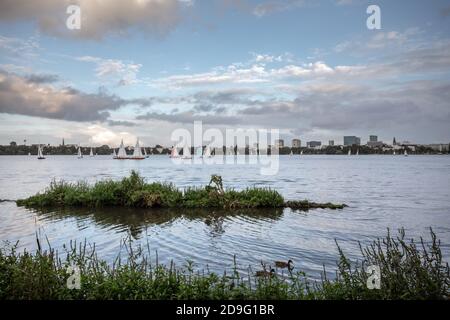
(199, 152)
(80, 154)
(137, 152)
(186, 153)
(350, 152)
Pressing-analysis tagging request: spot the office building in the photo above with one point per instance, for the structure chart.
(313, 144)
(351, 140)
(296, 143)
(279, 143)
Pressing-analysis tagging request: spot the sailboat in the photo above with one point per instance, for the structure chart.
(357, 152)
(174, 153)
(199, 152)
(137, 153)
(186, 153)
(122, 153)
(114, 154)
(394, 153)
(40, 153)
(91, 153)
(29, 153)
(291, 153)
(80, 155)
(349, 151)
(207, 152)
(301, 152)
(406, 153)
(145, 153)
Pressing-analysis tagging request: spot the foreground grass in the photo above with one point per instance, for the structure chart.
(409, 270)
(133, 191)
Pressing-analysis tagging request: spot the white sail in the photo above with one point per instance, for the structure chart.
(80, 155)
(114, 153)
(207, 152)
(186, 152)
(122, 153)
(301, 152)
(137, 153)
(91, 153)
(349, 151)
(199, 152)
(357, 152)
(291, 153)
(40, 153)
(394, 153)
(145, 153)
(174, 153)
(406, 153)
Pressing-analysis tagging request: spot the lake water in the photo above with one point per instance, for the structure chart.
(381, 191)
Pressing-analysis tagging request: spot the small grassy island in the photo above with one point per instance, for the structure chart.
(133, 191)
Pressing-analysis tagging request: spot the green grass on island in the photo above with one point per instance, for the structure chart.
(409, 270)
(133, 191)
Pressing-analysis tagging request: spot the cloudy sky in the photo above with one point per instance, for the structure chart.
(142, 68)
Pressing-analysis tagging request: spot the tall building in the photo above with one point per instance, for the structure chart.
(373, 138)
(296, 143)
(279, 143)
(331, 142)
(351, 140)
(313, 144)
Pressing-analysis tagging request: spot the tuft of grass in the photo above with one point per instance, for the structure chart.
(409, 270)
(133, 191)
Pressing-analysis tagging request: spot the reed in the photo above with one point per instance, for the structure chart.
(133, 191)
(409, 270)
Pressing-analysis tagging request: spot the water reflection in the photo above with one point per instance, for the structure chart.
(377, 188)
(136, 220)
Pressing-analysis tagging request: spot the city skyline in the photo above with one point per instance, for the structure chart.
(295, 142)
(309, 68)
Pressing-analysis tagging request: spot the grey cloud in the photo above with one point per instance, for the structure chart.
(122, 123)
(188, 117)
(423, 103)
(445, 12)
(20, 96)
(204, 107)
(42, 78)
(98, 18)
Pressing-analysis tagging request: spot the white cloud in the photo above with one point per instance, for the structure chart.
(256, 73)
(17, 48)
(100, 135)
(123, 73)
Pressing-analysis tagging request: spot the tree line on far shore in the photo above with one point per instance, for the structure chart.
(14, 149)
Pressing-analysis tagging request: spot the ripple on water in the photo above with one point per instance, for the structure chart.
(382, 192)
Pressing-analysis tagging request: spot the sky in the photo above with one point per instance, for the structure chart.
(143, 68)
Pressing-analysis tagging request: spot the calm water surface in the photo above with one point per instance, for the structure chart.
(382, 192)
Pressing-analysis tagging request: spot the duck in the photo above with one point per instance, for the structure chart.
(283, 265)
(265, 273)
